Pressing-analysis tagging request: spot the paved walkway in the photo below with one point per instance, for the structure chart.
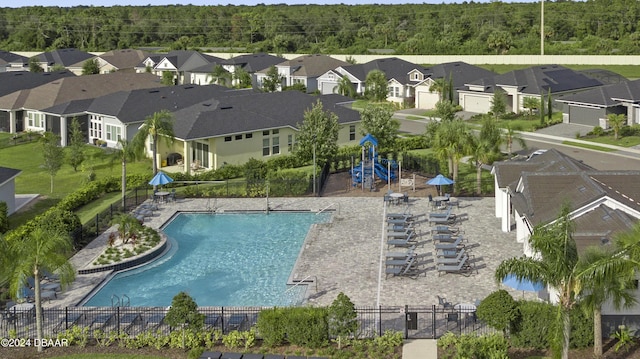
(347, 254)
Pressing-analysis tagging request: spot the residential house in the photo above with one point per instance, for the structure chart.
(239, 125)
(179, 62)
(121, 60)
(535, 81)
(13, 62)
(602, 203)
(456, 74)
(8, 187)
(249, 63)
(303, 70)
(119, 115)
(36, 108)
(402, 77)
(70, 59)
(13, 82)
(592, 107)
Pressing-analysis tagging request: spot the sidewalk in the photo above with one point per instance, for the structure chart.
(420, 349)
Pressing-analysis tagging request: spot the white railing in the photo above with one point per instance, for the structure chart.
(327, 207)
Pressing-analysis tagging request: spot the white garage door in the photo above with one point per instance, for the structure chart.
(426, 100)
(477, 104)
(328, 88)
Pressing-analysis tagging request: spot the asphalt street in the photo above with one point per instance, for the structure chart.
(551, 137)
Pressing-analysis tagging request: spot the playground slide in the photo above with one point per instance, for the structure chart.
(381, 171)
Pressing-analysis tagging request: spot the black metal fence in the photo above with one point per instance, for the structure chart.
(413, 321)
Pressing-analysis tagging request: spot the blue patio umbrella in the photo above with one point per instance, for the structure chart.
(440, 180)
(160, 179)
(523, 284)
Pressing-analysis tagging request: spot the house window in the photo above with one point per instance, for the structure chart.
(265, 147)
(332, 77)
(248, 135)
(35, 119)
(238, 137)
(276, 145)
(275, 132)
(394, 91)
(95, 127)
(227, 139)
(113, 132)
(265, 133)
(200, 153)
(352, 132)
(290, 142)
(416, 76)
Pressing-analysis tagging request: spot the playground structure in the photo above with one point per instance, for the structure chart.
(364, 173)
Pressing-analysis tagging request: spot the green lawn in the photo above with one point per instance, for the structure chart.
(592, 147)
(628, 141)
(34, 179)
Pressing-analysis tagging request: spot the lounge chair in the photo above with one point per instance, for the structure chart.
(448, 253)
(101, 321)
(463, 267)
(452, 260)
(445, 230)
(440, 215)
(444, 303)
(407, 232)
(210, 355)
(449, 245)
(153, 321)
(451, 219)
(405, 216)
(236, 321)
(129, 320)
(400, 255)
(69, 320)
(448, 238)
(407, 241)
(211, 321)
(406, 270)
(398, 222)
(400, 262)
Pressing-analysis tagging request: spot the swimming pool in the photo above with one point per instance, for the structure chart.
(234, 259)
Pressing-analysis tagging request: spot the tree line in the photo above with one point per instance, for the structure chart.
(589, 27)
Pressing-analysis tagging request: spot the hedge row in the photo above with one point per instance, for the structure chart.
(302, 326)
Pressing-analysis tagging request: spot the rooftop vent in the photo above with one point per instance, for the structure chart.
(154, 91)
(226, 107)
(582, 188)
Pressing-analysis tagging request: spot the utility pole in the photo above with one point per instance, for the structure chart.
(314, 165)
(541, 27)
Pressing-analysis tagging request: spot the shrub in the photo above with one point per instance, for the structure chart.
(597, 131)
(4, 217)
(498, 310)
(271, 326)
(534, 325)
(307, 326)
(342, 318)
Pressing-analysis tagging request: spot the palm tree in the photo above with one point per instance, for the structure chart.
(157, 125)
(438, 85)
(510, 135)
(616, 121)
(43, 250)
(484, 147)
(555, 265)
(125, 152)
(452, 141)
(598, 285)
(220, 76)
(345, 88)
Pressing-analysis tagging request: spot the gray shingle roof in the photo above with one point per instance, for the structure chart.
(254, 62)
(539, 79)
(68, 89)
(605, 96)
(461, 72)
(246, 111)
(124, 58)
(392, 67)
(7, 57)
(135, 105)
(7, 173)
(21, 80)
(310, 65)
(64, 57)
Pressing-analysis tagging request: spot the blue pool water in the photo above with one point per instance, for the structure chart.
(221, 260)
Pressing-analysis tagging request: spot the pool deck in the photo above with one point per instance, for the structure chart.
(347, 254)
